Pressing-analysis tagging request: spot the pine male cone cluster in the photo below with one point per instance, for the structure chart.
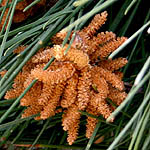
(82, 79)
(19, 15)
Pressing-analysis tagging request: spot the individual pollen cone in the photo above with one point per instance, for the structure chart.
(73, 132)
(70, 116)
(99, 82)
(70, 123)
(98, 99)
(104, 37)
(113, 65)
(91, 122)
(109, 47)
(45, 95)
(13, 93)
(70, 91)
(18, 87)
(49, 109)
(84, 89)
(83, 79)
(103, 91)
(32, 94)
(52, 77)
(111, 78)
(32, 110)
(95, 24)
(106, 48)
(101, 105)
